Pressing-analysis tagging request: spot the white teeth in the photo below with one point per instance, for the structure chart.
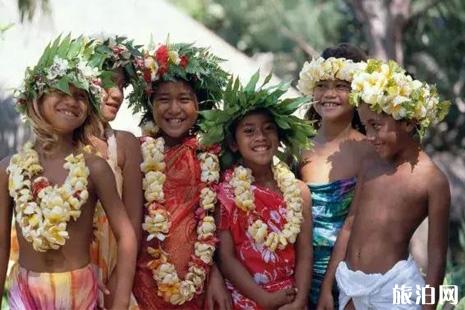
(260, 148)
(175, 120)
(68, 113)
(330, 104)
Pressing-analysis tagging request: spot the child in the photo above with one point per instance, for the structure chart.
(394, 195)
(54, 222)
(122, 152)
(178, 237)
(264, 222)
(330, 168)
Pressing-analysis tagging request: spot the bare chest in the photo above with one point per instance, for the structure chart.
(329, 163)
(387, 196)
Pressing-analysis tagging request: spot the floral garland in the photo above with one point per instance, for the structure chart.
(42, 210)
(157, 224)
(386, 87)
(321, 69)
(241, 182)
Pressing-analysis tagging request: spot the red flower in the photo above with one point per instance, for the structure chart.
(38, 185)
(147, 76)
(184, 61)
(162, 57)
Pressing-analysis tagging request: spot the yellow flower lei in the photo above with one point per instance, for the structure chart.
(42, 210)
(241, 182)
(321, 69)
(158, 222)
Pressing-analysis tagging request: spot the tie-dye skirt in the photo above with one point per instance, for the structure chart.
(76, 289)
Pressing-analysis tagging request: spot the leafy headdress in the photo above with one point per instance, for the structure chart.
(117, 52)
(386, 87)
(64, 62)
(173, 62)
(295, 133)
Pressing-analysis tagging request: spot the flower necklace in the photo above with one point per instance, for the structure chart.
(241, 182)
(157, 223)
(43, 211)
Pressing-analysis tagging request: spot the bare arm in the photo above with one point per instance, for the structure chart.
(132, 180)
(5, 224)
(304, 259)
(217, 296)
(438, 220)
(233, 270)
(105, 185)
(338, 255)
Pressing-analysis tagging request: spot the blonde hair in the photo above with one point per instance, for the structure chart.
(45, 132)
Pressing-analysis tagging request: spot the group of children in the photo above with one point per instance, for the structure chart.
(203, 211)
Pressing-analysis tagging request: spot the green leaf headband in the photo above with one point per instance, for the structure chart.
(238, 101)
(64, 62)
(171, 62)
(386, 87)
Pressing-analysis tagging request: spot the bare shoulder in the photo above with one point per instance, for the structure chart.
(124, 137)
(432, 175)
(97, 165)
(361, 147)
(304, 191)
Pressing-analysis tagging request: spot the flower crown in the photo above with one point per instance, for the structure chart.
(321, 69)
(171, 62)
(64, 62)
(215, 125)
(117, 52)
(386, 87)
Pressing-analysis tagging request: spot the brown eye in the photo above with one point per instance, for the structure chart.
(342, 86)
(248, 130)
(185, 100)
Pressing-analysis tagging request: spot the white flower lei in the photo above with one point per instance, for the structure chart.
(42, 210)
(241, 182)
(321, 69)
(158, 222)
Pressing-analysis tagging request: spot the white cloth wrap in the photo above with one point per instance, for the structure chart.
(375, 291)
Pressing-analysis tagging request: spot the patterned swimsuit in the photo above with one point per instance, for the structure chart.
(330, 205)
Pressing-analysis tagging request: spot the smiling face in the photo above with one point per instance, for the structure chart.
(387, 135)
(256, 139)
(332, 100)
(114, 97)
(175, 110)
(65, 113)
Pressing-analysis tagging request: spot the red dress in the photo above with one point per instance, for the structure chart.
(273, 271)
(182, 194)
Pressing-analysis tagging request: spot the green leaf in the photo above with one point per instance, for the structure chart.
(63, 85)
(267, 79)
(63, 49)
(281, 122)
(250, 87)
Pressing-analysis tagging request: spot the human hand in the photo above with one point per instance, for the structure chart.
(294, 306)
(325, 302)
(217, 294)
(279, 298)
